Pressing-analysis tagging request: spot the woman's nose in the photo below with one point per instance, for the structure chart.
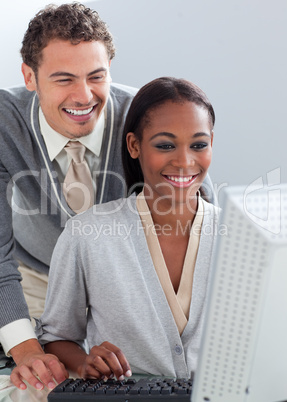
(184, 159)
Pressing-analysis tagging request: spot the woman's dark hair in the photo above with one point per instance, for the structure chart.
(149, 97)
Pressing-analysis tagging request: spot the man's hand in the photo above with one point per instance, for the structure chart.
(36, 367)
(105, 360)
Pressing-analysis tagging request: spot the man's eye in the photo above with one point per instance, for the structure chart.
(98, 77)
(64, 81)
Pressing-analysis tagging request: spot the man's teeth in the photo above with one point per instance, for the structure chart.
(76, 112)
(180, 179)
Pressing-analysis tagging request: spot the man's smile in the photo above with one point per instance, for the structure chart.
(79, 112)
(80, 115)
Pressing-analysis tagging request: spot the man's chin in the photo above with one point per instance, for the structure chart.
(81, 129)
(79, 134)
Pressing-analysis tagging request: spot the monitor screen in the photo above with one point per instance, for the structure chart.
(243, 353)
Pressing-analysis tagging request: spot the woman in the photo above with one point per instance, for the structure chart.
(130, 276)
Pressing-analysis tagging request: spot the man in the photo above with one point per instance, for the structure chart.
(67, 52)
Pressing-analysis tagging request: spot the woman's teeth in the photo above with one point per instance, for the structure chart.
(76, 112)
(180, 179)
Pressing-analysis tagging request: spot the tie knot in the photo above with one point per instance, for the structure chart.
(76, 150)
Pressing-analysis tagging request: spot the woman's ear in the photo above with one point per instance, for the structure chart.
(133, 145)
(212, 133)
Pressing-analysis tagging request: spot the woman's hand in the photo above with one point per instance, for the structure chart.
(105, 360)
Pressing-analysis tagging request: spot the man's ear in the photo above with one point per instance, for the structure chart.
(29, 77)
(133, 145)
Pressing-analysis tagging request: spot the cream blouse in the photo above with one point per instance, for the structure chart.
(179, 302)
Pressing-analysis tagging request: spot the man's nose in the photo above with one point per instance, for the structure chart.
(82, 93)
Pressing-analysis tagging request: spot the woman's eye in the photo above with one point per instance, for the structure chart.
(164, 146)
(199, 146)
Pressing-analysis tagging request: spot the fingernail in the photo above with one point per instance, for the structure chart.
(128, 373)
(23, 386)
(121, 378)
(39, 385)
(51, 385)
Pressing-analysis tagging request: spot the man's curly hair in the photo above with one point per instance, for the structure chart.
(73, 22)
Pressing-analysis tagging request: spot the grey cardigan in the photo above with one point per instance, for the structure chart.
(29, 230)
(102, 262)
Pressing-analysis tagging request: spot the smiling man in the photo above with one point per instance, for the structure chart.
(73, 85)
(68, 105)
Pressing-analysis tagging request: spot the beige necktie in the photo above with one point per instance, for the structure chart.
(78, 186)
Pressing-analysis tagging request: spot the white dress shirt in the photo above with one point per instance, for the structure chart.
(56, 143)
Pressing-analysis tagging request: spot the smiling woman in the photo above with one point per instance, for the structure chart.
(171, 145)
(174, 152)
(161, 246)
(178, 98)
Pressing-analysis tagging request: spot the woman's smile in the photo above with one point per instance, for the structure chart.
(180, 181)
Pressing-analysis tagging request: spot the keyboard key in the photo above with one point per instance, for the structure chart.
(130, 381)
(155, 391)
(135, 390)
(144, 390)
(111, 391)
(123, 390)
(182, 391)
(101, 390)
(166, 391)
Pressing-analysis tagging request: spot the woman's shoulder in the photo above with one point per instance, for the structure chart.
(121, 208)
(211, 208)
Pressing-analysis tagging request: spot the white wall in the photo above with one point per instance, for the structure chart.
(236, 51)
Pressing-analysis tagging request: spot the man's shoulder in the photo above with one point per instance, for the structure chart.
(18, 92)
(15, 96)
(123, 90)
(121, 97)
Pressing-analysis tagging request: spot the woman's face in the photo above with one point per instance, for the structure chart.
(175, 150)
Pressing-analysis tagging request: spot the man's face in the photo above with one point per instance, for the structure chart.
(73, 84)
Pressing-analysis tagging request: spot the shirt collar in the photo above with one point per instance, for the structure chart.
(56, 142)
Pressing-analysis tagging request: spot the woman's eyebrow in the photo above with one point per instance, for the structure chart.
(164, 134)
(201, 134)
(173, 136)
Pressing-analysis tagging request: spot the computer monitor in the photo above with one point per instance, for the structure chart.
(243, 354)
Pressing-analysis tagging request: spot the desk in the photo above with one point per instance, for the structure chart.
(14, 394)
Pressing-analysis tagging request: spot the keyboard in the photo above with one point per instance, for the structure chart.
(150, 389)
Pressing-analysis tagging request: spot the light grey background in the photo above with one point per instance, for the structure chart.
(236, 51)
